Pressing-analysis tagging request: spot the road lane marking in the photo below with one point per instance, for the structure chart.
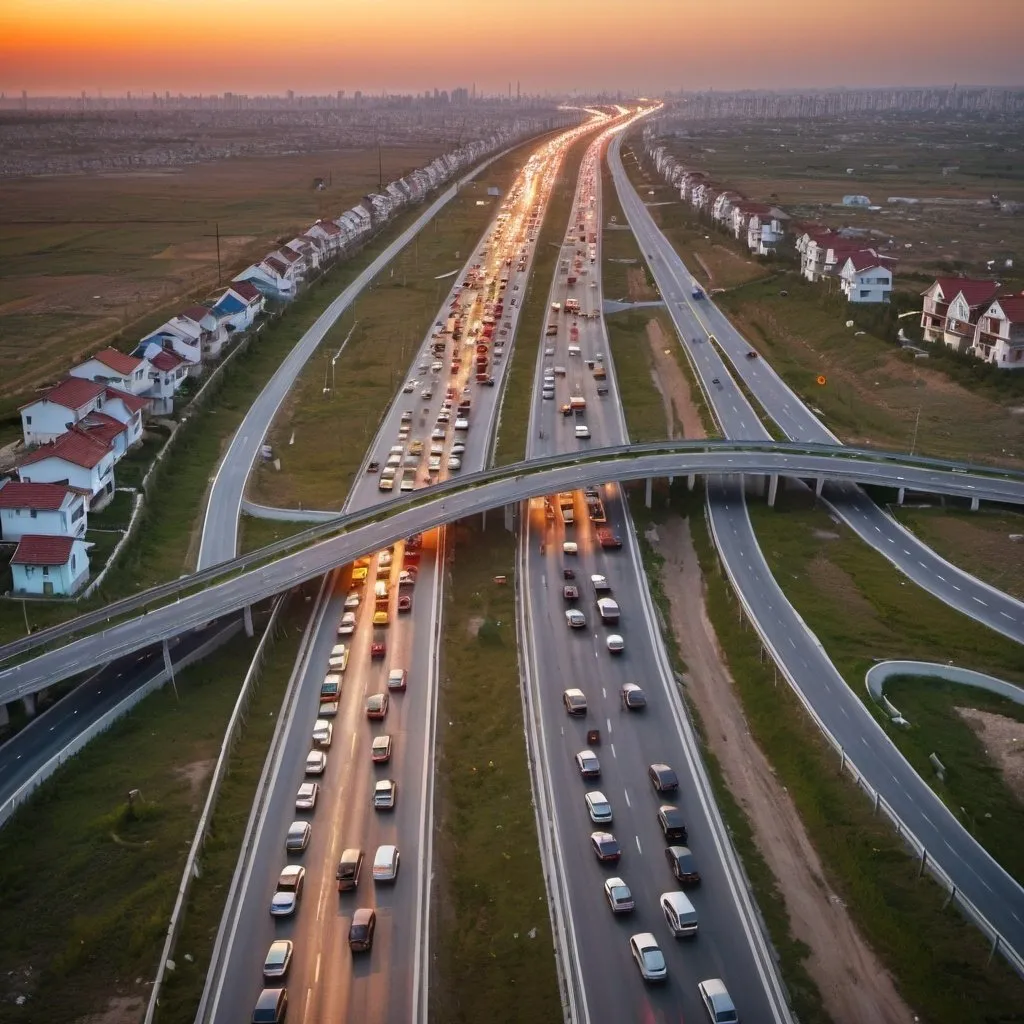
(979, 600)
(316, 975)
(613, 750)
(608, 725)
(625, 793)
(639, 848)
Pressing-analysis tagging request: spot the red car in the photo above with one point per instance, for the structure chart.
(405, 603)
(378, 648)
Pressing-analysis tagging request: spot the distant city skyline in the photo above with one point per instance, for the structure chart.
(257, 47)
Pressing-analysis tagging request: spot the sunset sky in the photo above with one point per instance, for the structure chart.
(319, 46)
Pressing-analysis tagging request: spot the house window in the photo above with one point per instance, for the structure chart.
(28, 421)
(993, 325)
(46, 570)
(72, 563)
(864, 293)
(34, 514)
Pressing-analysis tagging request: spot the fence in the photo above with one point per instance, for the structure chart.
(203, 828)
(107, 720)
(999, 944)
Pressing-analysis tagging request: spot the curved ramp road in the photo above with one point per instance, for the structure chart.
(701, 319)
(878, 675)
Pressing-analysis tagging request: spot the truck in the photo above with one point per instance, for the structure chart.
(599, 372)
(607, 538)
(566, 506)
(572, 305)
(595, 506)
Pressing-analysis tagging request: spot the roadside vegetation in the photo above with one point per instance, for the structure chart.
(636, 375)
(490, 914)
(939, 961)
(518, 389)
(256, 533)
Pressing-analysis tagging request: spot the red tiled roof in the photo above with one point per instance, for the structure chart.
(44, 497)
(278, 266)
(286, 253)
(245, 290)
(864, 259)
(1012, 307)
(166, 360)
(101, 426)
(977, 293)
(71, 393)
(195, 313)
(74, 446)
(34, 549)
(133, 403)
(329, 227)
(118, 361)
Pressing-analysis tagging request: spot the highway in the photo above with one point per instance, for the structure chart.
(804, 661)
(603, 981)
(326, 982)
(701, 319)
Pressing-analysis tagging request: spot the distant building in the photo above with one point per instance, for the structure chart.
(856, 201)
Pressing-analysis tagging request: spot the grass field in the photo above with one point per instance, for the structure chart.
(88, 886)
(939, 962)
(862, 611)
(256, 533)
(515, 406)
(978, 542)
(491, 916)
(84, 258)
(635, 373)
(390, 321)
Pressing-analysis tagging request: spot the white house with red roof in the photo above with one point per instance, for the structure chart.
(179, 335)
(167, 374)
(105, 428)
(307, 250)
(129, 410)
(239, 306)
(52, 510)
(76, 460)
(272, 276)
(47, 417)
(330, 233)
(212, 334)
(297, 261)
(127, 373)
(999, 337)
(866, 277)
(49, 566)
(950, 308)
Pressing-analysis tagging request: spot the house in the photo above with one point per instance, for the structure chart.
(765, 229)
(110, 431)
(330, 235)
(239, 306)
(180, 335)
(950, 308)
(298, 261)
(999, 336)
(212, 334)
(722, 207)
(866, 277)
(77, 460)
(49, 566)
(824, 256)
(127, 409)
(47, 417)
(169, 371)
(126, 373)
(51, 510)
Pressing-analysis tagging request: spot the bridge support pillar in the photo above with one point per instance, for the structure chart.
(975, 504)
(5, 715)
(483, 520)
(773, 489)
(648, 492)
(691, 481)
(29, 702)
(900, 495)
(819, 484)
(510, 518)
(169, 665)
(247, 620)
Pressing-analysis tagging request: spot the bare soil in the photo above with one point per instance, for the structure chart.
(195, 774)
(854, 984)
(638, 288)
(120, 1010)
(673, 386)
(1004, 744)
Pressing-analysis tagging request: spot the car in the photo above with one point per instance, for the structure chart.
(359, 574)
(575, 701)
(278, 959)
(397, 679)
(360, 932)
(444, 416)
(663, 778)
(715, 380)
(407, 577)
(384, 559)
(316, 762)
(575, 619)
(323, 733)
(458, 448)
(598, 807)
(717, 1001)
(568, 574)
(633, 698)
(454, 463)
(299, 833)
(648, 956)
(352, 600)
(289, 891)
(437, 434)
(751, 354)
(328, 709)
(409, 388)
(305, 799)
(571, 592)
(338, 660)
(330, 688)
(385, 793)
(372, 466)
(615, 643)
(271, 1007)
(378, 648)
(600, 584)
(588, 764)
(670, 819)
(347, 624)
(385, 864)
(608, 538)
(618, 895)
(683, 865)
(570, 547)
(605, 846)
(426, 394)
(405, 604)
(549, 351)
(380, 749)
(377, 705)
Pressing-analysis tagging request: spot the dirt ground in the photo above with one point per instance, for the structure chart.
(673, 386)
(1004, 743)
(120, 1010)
(854, 984)
(639, 289)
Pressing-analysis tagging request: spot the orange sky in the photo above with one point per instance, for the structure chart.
(269, 46)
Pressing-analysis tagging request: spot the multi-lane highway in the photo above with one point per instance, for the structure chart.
(997, 896)
(699, 320)
(414, 449)
(575, 369)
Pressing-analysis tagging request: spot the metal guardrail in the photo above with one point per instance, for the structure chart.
(999, 944)
(191, 870)
(103, 723)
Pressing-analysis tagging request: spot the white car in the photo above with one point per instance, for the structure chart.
(328, 709)
(385, 864)
(437, 434)
(575, 619)
(347, 624)
(598, 807)
(616, 645)
(410, 387)
(648, 956)
(600, 584)
(618, 895)
(338, 660)
(352, 601)
(298, 836)
(454, 463)
(458, 448)
(426, 394)
(323, 733)
(305, 799)
(462, 423)
(316, 762)
(570, 547)
(588, 764)
(384, 795)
